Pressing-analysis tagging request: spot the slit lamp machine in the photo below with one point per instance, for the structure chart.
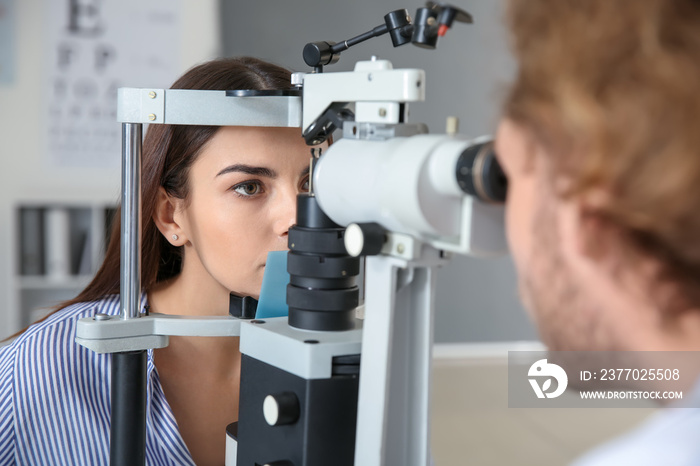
(321, 387)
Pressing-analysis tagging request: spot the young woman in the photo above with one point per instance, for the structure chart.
(215, 201)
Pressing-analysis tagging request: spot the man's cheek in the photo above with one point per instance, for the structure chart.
(517, 231)
(525, 295)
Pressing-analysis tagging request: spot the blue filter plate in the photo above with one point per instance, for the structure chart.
(273, 294)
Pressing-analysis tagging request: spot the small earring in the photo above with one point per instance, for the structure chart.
(175, 237)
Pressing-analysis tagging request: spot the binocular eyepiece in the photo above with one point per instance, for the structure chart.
(480, 175)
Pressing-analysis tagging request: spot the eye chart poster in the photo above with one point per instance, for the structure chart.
(95, 47)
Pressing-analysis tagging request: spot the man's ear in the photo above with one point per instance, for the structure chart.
(591, 233)
(596, 237)
(164, 218)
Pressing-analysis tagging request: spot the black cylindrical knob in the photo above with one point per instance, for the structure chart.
(397, 19)
(447, 16)
(281, 409)
(309, 215)
(364, 239)
(395, 22)
(425, 28)
(319, 53)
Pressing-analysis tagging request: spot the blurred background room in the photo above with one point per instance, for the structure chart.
(61, 62)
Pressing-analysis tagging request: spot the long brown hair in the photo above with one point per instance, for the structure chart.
(168, 153)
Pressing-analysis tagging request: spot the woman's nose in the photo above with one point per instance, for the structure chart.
(286, 212)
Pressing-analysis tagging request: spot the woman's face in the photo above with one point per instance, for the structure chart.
(242, 201)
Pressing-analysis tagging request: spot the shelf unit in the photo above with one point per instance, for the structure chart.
(59, 247)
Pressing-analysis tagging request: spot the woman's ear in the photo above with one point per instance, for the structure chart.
(164, 218)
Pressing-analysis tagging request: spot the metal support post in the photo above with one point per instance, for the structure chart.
(128, 423)
(393, 422)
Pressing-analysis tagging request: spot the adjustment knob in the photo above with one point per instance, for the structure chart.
(281, 408)
(319, 53)
(364, 239)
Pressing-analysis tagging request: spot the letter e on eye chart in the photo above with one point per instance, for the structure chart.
(94, 47)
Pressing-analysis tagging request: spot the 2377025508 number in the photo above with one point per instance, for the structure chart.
(639, 374)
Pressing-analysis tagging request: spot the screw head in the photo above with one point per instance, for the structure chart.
(382, 112)
(152, 94)
(152, 116)
(400, 248)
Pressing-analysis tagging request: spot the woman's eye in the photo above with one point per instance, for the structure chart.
(304, 185)
(249, 188)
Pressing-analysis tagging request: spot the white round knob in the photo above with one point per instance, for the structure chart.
(271, 410)
(364, 239)
(354, 239)
(281, 408)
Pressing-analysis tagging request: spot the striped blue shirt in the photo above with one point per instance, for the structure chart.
(55, 398)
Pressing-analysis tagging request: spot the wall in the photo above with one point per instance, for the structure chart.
(24, 174)
(466, 77)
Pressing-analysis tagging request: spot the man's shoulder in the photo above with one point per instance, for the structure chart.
(669, 437)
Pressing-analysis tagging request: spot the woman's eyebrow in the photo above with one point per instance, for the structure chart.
(249, 170)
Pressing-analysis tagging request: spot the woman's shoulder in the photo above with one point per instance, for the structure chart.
(58, 329)
(59, 388)
(45, 362)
